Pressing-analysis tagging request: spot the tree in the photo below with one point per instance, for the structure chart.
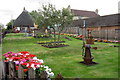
(37, 17)
(66, 17)
(1, 26)
(10, 24)
(50, 16)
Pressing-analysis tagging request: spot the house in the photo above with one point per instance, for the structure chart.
(24, 21)
(103, 27)
(82, 14)
(79, 15)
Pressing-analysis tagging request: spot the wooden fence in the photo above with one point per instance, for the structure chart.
(108, 34)
(8, 71)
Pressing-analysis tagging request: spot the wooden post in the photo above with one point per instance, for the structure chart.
(31, 74)
(12, 73)
(2, 70)
(20, 72)
(43, 75)
(59, 77)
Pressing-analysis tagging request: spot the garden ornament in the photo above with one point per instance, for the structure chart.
(87, 55)
(89, 39)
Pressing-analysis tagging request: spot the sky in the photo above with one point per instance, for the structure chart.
(11, 9)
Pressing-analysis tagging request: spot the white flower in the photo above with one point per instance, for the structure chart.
(35, 58)
(27, 54)
(19, 54)
(34, 68)
(40, 60)
(51, 74)
(46, 67)
(7, 58)
(27, 65)
(38, 66)
(48, 70)
(10, 59)
(32, 65)
(41, 65)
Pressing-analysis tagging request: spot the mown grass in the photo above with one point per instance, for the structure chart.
(65, 60)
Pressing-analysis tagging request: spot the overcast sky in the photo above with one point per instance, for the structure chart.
(11, 9)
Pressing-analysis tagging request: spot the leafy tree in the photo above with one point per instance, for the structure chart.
(1, 26)
(66, 17)
(36, 16)
(50, 16)
(10, 24)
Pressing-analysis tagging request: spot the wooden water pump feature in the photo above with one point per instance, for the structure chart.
(87, 57)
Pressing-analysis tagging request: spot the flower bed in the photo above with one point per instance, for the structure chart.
(27, 61)
(47, 42)
(67, 38)
(53, 45)
(39, 35)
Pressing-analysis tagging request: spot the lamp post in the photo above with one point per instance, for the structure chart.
(84, 25)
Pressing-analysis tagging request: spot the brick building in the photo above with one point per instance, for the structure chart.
(103, 27)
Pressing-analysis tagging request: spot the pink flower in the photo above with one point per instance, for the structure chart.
(16, 62)
(14, 54)
(9, 52)
(7, 55)
(23, 60)
(30, 60)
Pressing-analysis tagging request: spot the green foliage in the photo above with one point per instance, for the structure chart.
(1, 26)
(49, 16)
(37, 18)
(10, 24)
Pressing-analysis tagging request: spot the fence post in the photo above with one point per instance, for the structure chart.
(43, 75)
(12, 73)
(20, 72)
(2, 70)
(31, 74)
(59, 77)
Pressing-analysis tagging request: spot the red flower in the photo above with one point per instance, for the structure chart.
(24, 63)
(31, 55)
(17, 58)
(5, 61)
(27, 58)
(16, 67)
(24, 70)
(24, 52)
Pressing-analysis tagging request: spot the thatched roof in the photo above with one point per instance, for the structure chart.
(24, 20)
(108, 20)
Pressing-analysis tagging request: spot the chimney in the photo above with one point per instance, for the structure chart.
(69, 8)
(24, 9)
(96, 11)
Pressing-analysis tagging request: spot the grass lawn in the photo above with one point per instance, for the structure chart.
(65, 60)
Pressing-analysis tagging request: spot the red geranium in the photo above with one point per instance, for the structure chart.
(24, 52)
(25, 70)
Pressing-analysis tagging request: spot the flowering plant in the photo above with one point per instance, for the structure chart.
(27, 60)
(79, 37)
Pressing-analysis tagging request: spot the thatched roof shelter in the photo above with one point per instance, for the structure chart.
(24, 20)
